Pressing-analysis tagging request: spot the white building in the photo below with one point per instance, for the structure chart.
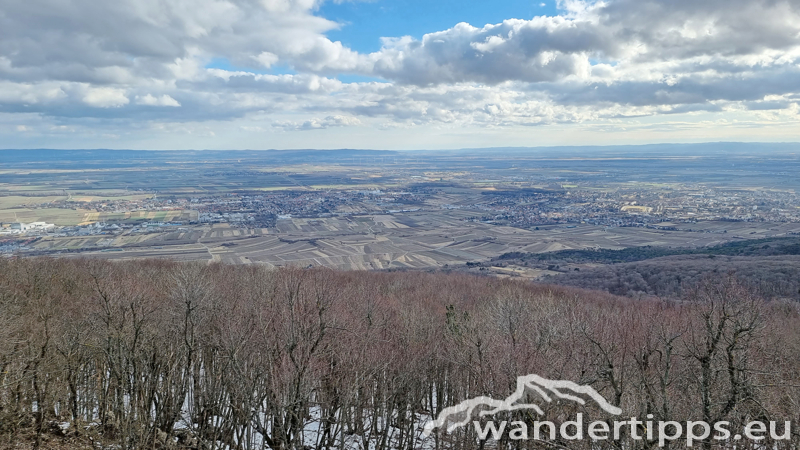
(33, 226)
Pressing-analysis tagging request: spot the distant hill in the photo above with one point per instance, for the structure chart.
(706, 148)
(772, 277)
(752, 247)
(771, 266)
(113, 158)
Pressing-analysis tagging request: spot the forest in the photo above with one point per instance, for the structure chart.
(771, 277)
(780, 246)
(153, 354)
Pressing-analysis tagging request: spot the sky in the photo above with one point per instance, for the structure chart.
(396, 74)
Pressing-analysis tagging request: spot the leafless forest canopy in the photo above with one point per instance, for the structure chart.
(770, 277)
(154, 354)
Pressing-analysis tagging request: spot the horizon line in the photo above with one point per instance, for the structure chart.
(597, 146)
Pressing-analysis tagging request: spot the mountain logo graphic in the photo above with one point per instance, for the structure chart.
(547, 389)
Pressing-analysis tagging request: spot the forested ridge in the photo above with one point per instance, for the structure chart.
(780, 246)
(769, 266)
(775, 277)
(155, 354)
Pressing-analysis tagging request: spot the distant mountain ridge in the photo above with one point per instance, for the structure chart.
(672, 148)
(38, 156)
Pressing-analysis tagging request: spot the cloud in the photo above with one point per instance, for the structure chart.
(286, 83)
(267, 59)
(105, 97)
(318, 124)
(150, 100)
(127, 64)
(631, 33)
(134, 41)
(29, 93)
(542, 49)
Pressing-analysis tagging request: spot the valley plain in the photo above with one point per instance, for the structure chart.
(363, 209)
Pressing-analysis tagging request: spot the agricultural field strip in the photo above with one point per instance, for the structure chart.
(349, 243)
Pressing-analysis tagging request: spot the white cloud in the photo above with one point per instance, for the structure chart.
(598, 61)
(318, 124)
(150, 100)
(105, 97)
(542, 49)
(626, 32)
(267, 59)
(30, 93)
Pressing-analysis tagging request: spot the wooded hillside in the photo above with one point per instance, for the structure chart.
(154, 354)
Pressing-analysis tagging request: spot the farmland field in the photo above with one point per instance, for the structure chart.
(395, 210)
(424, 241)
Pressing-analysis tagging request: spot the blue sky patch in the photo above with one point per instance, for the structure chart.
(365, 22)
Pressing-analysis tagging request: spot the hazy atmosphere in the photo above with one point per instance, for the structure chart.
(406, 74)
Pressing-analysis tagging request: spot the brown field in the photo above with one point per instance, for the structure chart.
(58, 216)
(418, 240)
